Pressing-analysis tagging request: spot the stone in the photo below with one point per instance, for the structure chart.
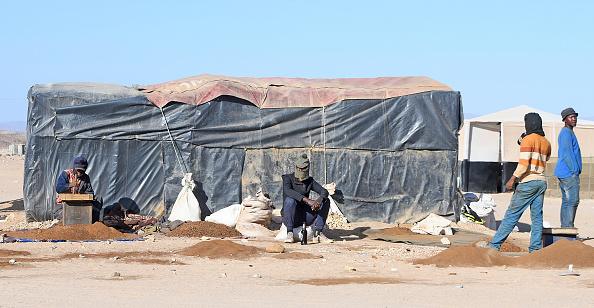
(275, 248)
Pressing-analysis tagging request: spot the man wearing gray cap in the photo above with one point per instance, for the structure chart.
(569, 168)
(298, 208)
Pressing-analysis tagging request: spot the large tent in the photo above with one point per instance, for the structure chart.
(389, 144)
(489, 151)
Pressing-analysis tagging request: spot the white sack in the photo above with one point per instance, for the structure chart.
(254, 230)
(256, 210)
(432, 224)
(186, 206)
(227, 216)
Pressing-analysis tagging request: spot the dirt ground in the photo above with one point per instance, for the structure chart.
(351, 272)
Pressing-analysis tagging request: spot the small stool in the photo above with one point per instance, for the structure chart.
(551, 235)
(77, 209)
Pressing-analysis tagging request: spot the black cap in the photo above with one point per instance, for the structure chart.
(80, 162)
(567, 112)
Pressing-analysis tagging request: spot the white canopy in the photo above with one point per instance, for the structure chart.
(493, 137)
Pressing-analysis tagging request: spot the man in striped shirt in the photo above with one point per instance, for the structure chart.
(535, 151)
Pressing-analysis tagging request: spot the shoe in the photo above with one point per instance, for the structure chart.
(319, 237)
(289, 238)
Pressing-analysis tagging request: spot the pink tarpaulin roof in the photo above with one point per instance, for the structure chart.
(278, 92)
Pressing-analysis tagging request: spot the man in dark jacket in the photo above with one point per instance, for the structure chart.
(298, 208)
(76, 181)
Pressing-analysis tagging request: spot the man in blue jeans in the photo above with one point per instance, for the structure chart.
(535, 151)
(298, 208)
(569, 168)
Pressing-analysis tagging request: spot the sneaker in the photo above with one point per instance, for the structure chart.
(289, 238)
(319, 237)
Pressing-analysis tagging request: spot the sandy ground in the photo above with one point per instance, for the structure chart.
(352, 273)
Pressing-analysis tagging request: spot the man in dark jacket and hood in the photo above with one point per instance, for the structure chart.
(76, 181)
(535, 151)
(298, 208)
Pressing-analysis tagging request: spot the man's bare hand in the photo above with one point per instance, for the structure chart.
(510, 184)
(312, 203)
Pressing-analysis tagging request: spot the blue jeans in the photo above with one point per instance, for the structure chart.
(528, 194)
(296, 213)
(570, 199)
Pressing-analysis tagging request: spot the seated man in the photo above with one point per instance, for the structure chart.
(76, 181)
(298, 208)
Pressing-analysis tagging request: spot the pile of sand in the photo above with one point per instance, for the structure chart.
(395, 231)
(204, 228)
(218, 249)
(466, 256)
(558, 255)
(96, 231)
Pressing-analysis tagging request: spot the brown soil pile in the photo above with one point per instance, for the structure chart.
(351, 280)
(204, 228)
(559, 255)
(11, 253)
(507, 246)
(218, 249)
(466, 256)
(396, 231)
(96, 231)
(297, 256)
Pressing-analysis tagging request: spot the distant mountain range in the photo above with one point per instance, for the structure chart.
(14, 126)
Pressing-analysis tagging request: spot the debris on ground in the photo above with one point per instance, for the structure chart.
(275, 248)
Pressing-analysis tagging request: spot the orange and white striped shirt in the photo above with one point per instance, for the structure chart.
(535, 151)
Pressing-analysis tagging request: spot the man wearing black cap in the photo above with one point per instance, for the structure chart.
(76, 181)
(569, 168)
(298, 208)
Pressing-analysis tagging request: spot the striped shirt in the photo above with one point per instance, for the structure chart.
(535, 151)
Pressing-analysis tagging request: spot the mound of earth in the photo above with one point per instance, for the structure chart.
(204, 228)
(218, 249)
(95, 232)
(558, 255)
(466, 256)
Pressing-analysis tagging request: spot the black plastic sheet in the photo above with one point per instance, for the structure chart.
(392, 160)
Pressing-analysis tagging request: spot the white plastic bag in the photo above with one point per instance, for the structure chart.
(186, 206)
(227, 216)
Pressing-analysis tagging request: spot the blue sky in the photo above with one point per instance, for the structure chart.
(498, 54)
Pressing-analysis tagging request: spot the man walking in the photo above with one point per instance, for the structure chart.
(535, 151)
(569, 168)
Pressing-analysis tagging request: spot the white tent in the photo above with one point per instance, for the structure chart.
(493, 137)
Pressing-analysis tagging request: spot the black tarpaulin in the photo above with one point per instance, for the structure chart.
(393, 160)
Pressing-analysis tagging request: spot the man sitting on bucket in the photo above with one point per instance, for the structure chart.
(298, 208)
